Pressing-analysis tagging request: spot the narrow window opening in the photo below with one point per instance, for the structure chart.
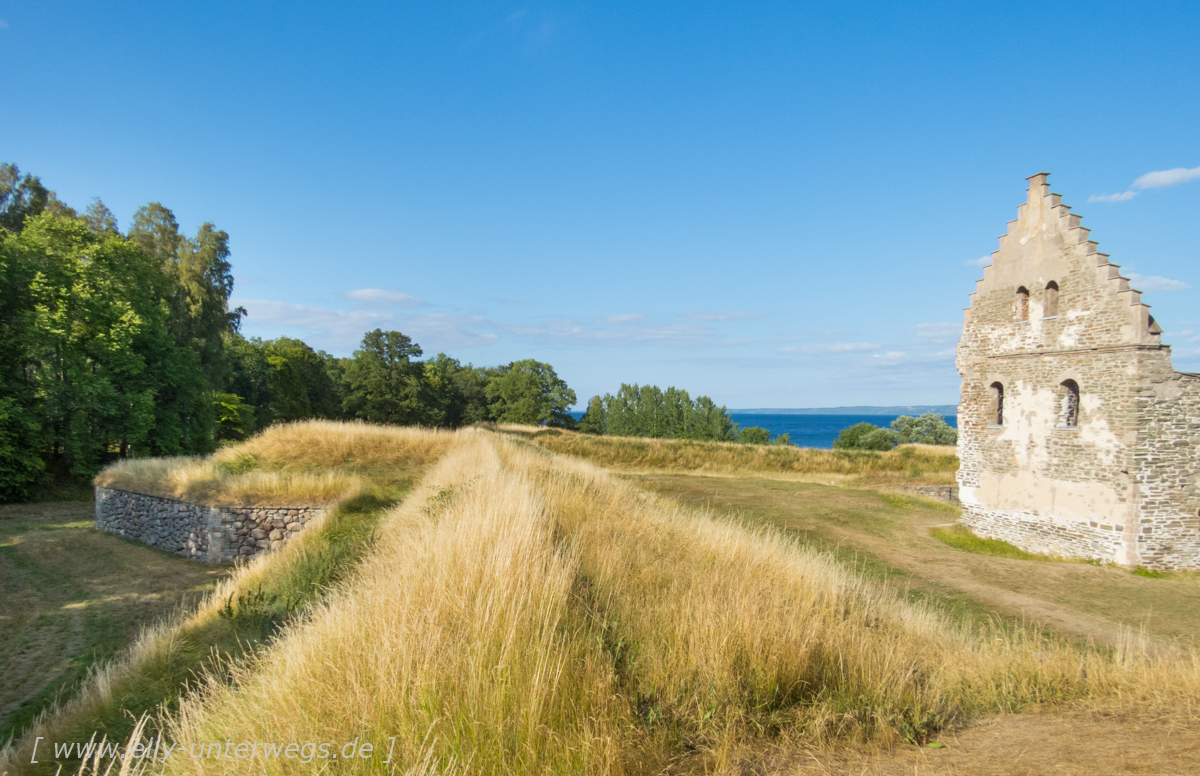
(1022, 304)
(1069, 412)
(996, 413)
(1051, 300)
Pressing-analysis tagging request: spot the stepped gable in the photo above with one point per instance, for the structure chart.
(1076, 435)
(1047, 242)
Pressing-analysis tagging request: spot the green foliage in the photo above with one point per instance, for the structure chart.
(754, 435)
(648, 411)
(457, 394)
(928, 429)
(783, 439)
(234, 416)
(865, 436)
(593, 421)
(384, 381)
(21, 197)
(108, 344)
(530, 392)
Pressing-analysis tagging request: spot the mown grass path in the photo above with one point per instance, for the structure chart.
(73, 596)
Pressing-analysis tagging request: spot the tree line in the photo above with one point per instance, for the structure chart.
(116, 343)
(649, 411)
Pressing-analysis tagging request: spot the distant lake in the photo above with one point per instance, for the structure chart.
(810, 430)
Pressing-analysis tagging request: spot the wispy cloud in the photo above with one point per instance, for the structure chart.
(327, 329)
(1163, 178)
(383, 296)
(939, 332)
(831, 349)
(3, 24)
(624, 333)
(721, 315)
(1155, 283)
(1122, 197)
(443, 331)
(623, 318)
(1158, 179)
(982, 261)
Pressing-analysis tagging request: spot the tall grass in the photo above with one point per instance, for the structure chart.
(525, 613)
(909, 463)
(247, 609)
(312, 462)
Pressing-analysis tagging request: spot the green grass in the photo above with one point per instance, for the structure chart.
(962, 538)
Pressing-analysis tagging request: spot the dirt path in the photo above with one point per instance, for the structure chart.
(1075, 599)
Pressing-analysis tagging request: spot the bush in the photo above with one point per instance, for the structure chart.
(754, 435)
(866, 436)
(929, 429)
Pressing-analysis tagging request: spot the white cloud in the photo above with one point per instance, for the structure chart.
(442, 331)
(890, 358)
(624, 334)
(1155, 283)
(1122, 197)
(383, 296)
(833, 349)
(1158, 179)
(982, 261)
(324, 329)
(721, 315)
(939, 332)
(1163, 178)
(625, 318)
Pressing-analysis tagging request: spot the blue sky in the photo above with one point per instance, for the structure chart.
(775, 204)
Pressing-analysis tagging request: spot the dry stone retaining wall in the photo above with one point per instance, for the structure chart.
(210, 534)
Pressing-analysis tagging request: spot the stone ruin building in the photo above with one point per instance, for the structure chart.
(1076, 437)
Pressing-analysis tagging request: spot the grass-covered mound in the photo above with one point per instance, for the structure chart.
(528, 613)
(909, 464)
(308, 463)
(521, 612)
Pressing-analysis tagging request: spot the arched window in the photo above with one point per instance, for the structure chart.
(1022, 304)
(1068, 414)
(996, 412)
(1051, 306)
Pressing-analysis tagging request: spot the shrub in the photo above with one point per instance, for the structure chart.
(928, 429)
(754, 435)
(866, 436)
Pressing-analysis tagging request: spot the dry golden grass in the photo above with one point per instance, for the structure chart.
(312, 462)
(910, 464)
(524, 613)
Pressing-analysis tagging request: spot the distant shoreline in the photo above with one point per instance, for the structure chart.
(916, 409)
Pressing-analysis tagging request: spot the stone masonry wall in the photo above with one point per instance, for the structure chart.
(1123, 483)
(209, 534)
(1167, 472)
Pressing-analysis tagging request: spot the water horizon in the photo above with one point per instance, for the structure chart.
(805, 430)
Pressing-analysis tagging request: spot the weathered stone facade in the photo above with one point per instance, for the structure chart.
(1076, 437)
(210, 534)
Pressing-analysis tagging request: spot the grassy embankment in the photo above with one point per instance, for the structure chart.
(292, 464)
(528, 613)
(906, 465)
